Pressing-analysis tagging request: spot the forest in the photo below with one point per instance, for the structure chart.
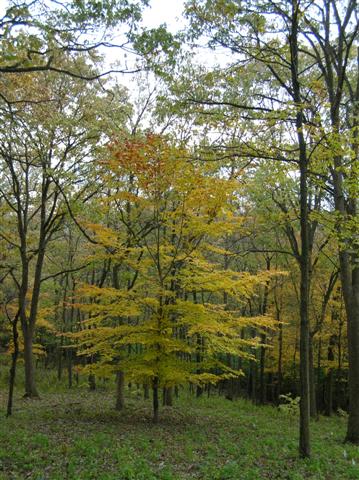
(179, 240)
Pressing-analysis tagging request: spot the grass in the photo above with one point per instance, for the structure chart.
(77, 435)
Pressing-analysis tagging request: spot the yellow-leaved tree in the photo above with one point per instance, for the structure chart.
(165, 323)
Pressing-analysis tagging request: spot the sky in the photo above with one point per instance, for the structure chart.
(160, 11)
(164, 11)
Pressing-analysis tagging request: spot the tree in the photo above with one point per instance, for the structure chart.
(272, 39)
(36, 35)
(336, 58)
(170, 337)
(43, 148)
(283, 66)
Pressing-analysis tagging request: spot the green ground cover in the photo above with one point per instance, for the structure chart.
(78, 435)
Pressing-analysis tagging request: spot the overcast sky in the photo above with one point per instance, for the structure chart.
(160, 11)
(164, 11)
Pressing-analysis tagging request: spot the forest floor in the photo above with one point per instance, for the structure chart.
(77, 435)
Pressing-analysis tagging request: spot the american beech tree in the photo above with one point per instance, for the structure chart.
(156, 331)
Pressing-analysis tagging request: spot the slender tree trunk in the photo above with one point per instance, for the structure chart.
(280, 359)
(262, 384)
(120, 390)
(60, 352)
(28, 331)
(346, 205)
(92, 382)
(353, 347)
(14, 357)
(252, 375)
(167, 396)
(304, 433)
(252, 381)
(329, 393)
(349, 272)
(30, 386)
(146, 391)
(155, 400)
(69, 367)
(319, 366)
(69, 327)
(164, 393)
(304, 442)
(313, 395)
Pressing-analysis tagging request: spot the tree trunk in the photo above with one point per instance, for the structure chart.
(146, 391)
(319, 366)
(346, 204)
(60, 352)
(28, 331)
(14, 356)
(262, 385)
(155, 400)
(353, 347)
(280, 360)
(199, 389)
(252, 376)
(304, 434)
(313, 395)
(92, 382)
(120, 390)
(349, 273)
(69, 367)
(167, 396)
(252, 381)
(329, 393)
(30, 387)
